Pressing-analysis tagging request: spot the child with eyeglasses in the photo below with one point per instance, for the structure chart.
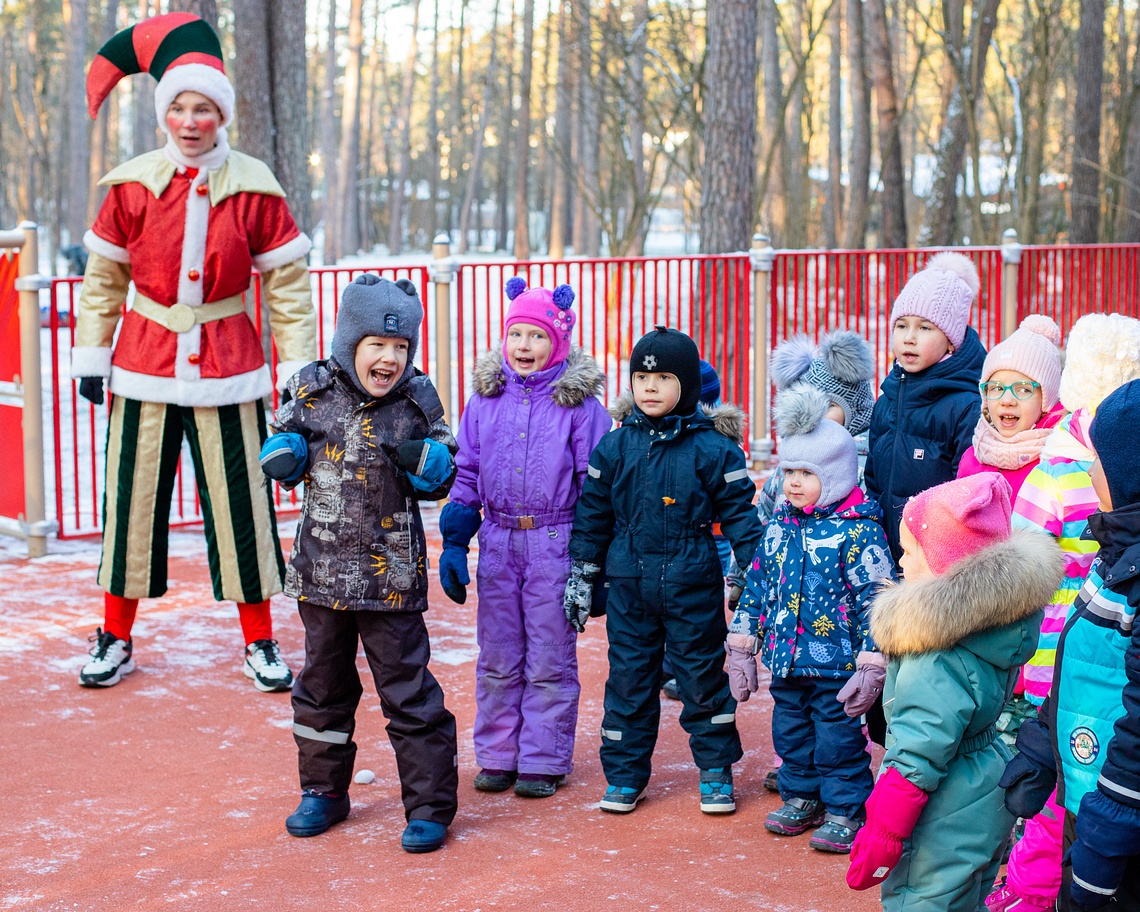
(1019, 385)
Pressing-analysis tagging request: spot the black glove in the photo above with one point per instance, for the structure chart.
(1031, 776)
(91, 389)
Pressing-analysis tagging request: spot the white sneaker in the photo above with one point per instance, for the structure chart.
(110, 660)
(263, 663)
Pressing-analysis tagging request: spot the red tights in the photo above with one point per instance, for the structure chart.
(119, 618)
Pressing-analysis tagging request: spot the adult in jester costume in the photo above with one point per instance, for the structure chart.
(187, 224)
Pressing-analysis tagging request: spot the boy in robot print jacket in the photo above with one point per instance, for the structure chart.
(365, 430)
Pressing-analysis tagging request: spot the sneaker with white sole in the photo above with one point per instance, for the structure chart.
(716, 791)
(263, 663)
(110, 660)
(620, 799)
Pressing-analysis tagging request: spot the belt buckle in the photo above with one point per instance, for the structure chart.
(180, 318)
(526, 522)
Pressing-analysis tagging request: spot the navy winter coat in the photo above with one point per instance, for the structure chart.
(650, 497)
(921, 426)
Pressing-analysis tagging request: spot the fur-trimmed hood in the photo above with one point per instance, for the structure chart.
(581, 380)
(992, 589)
(727, 419)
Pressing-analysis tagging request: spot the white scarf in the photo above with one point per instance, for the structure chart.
(207, 161)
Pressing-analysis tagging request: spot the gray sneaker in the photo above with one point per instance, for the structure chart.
(836, 834)
(798, 815)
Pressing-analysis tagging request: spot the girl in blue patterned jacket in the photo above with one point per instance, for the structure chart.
(805, 612)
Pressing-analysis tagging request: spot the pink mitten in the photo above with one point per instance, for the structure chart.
(892, 814)
(742, 677)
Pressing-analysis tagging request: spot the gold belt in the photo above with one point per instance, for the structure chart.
(182, 317)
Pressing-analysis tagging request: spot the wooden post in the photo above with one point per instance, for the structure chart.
(763, 258)
(442, 272)
(28, 284)
(1011, 267)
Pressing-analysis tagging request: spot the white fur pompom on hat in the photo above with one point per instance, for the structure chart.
(1101, 354)
(841, 365)
(791, 360)
(810, 441)
(942, 293)
(799, 410)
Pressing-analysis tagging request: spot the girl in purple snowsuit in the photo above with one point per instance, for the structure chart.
(524, 446)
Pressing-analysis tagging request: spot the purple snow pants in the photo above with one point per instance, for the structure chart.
(526, 679)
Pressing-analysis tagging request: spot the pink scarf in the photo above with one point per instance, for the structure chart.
(1008, 453)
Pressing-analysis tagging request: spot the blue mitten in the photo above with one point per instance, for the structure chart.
(427, 462)
(285, 457)
(458, 524)
(1108, 836)
(1031, 776)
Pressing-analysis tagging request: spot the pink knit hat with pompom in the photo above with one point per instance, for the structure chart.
(959, 518)
(1034, 350)
(942, 293)
(547, 309)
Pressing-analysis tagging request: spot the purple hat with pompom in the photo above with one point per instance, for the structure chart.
(549, 310)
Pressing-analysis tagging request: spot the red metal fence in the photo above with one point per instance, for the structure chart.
(710, 297)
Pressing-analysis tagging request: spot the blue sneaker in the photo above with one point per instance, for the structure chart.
(316, 813)
(620, 799)
(423, 836)
(716, 791)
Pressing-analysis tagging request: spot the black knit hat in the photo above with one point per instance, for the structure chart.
(670, 351)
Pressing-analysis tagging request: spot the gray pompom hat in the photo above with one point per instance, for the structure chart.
(372, 306)
(820, 445)
(841, 365)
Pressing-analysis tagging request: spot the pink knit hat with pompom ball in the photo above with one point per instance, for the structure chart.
(547, 309)
(942, 293)
(959, 518)
(1032, 349)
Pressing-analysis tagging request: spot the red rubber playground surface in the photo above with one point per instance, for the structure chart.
(170, 790)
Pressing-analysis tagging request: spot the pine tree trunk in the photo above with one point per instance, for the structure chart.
(833, 201)
(290, 82)
(206, 9)
(730, 126)
(560, 194)
(101, 135)
(254, 107)
(522, 139)
(404, 130)
(433, 148)
(890, 142)
(859, 162)
(1084, 201)
(348, 183)
(589, 135)
(142, 96)
(469, 192)
(332, 220)
(773, 178)
(76, 139)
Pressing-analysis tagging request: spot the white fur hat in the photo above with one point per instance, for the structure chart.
(1101, 354)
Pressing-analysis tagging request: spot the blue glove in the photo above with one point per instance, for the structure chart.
(1031, 776)
(458, 524)
(427, 462)
(1108, 837)
(285, 457)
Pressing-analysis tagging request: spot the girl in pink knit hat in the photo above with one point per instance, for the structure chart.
(954, 632)
(1019, 385)
(524, 443)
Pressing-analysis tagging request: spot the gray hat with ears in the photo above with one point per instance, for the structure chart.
(372, 306)
(810, 441)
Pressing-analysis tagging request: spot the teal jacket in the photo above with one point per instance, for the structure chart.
(955, 643)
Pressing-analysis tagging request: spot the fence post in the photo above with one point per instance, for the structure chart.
(29, 284)
(763, 258)
(443, 269)
(1011, 266)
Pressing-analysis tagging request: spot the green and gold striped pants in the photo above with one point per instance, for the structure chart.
(144, 440)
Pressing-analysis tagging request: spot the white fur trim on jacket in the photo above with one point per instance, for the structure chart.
(285, 370)
(105, 248)
(286, 253)
(90, 362)
(194, 77)
(212, 391)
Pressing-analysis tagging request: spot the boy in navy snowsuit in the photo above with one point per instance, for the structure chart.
(652, 491)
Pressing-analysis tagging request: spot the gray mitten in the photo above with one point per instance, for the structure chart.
(579, 593)
(863, 688)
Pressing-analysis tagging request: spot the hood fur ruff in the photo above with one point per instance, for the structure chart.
(728, 419)
(992, 588)
(581, 380)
